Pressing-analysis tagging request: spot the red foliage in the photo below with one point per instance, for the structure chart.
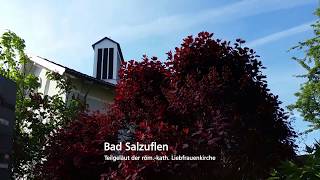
(76, 152)
(213, 99)
(208, 98)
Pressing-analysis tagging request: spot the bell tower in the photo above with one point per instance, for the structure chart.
(107, 60)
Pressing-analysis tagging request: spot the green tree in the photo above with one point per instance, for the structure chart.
(37, 115)
(308, 105)
(308, 102)
(305, 167)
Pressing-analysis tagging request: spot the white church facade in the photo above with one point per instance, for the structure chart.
(96, 90)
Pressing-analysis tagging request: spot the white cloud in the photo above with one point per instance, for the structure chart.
(280, 35)
(226, 13)
(64, 31)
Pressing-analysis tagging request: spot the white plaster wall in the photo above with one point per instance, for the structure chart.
(39, 67)
(97, 95)
(40, 72)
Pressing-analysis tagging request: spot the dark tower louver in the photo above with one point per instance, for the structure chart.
(105, 63)
(107, 60)
(99, 63)
(110, 74)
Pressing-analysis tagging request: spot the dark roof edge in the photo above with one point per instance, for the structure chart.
(118, 45)
(89, 78)
(120, 52)
(82, 75)
(104, 39)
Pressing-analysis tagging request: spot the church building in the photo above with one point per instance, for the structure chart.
(95, 90)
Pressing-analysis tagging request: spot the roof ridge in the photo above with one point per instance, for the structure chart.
(118, 45)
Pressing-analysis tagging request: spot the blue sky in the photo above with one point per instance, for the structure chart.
(63, 31)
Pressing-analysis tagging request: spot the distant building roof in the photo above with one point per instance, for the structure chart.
(118, 45)
(79, 74)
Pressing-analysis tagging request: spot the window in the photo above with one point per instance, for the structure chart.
(110, 74)
(40, 81)
(47, 86)
(99, 63)
(105, 63)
